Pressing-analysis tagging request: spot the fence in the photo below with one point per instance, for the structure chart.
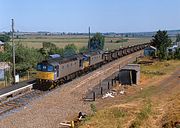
(101, 88)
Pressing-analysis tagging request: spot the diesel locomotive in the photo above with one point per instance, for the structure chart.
(55, 71)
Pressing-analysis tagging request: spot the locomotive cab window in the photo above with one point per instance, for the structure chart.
(44, 68)
(39, 67)
(50, 68)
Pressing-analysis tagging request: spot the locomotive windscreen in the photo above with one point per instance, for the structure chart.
(46, 68)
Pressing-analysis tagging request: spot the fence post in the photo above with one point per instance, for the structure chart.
(108, 86)
(101, 90)
(94, 96)
(130, 73)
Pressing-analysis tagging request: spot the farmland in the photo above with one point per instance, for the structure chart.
(79, 41)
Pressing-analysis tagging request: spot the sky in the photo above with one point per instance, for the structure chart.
(100, 15)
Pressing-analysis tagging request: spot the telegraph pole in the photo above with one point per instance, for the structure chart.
(89, 38)
(13, 52)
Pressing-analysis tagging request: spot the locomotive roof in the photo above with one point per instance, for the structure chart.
(62, 60)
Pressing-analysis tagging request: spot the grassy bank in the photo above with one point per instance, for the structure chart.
(119, 117)
(140, 115)
(107, 118)
(159, 68)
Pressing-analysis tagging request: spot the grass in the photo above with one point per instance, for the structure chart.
(79, 41)
(121, 41)
(159, 68)
(108, 118)
(147, 92)
(2, 84)
(116, 117)
(93, 108)
(155, 70)
(142, 115)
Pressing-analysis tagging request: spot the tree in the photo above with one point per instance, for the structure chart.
(6, 56)
(83, 49)
(57, 51)
(49, 48)
(4, 38)
(178, 37)
(48, 45)
(70, 49)
(177, 54)
(96, 42)
(161, 41)
(26, 58)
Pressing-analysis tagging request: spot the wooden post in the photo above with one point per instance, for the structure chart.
(131, 82)
(94, 96)
(28, 75)
(108, 86)
(72, 124)
(101, 90)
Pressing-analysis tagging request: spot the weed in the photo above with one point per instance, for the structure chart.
(117, 113)
(93, 108)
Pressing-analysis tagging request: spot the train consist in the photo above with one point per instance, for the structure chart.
(55, 71)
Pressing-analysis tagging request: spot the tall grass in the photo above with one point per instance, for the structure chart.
(142, 115)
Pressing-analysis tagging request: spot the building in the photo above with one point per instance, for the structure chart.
(150, 51)
(129, 74)
(3, 67)
(172, 49)
(1, 46)
(177, 43)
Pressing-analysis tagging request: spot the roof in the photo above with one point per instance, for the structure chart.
(4, 65)
(1, 43)
(54, 56)
(151, 47)
(173, 47)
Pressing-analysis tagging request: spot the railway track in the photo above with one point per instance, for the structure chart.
(19, 101)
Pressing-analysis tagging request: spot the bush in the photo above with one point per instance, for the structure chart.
(121, 41)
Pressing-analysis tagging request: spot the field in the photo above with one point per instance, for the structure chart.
(79, 41)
